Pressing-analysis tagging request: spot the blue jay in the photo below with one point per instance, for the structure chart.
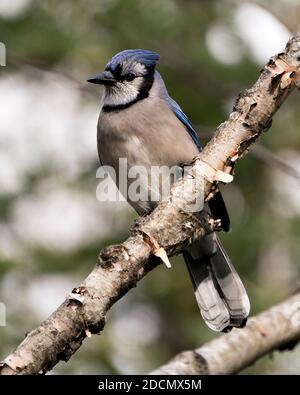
(139, 121)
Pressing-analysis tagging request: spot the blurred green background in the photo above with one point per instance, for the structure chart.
(51, 224)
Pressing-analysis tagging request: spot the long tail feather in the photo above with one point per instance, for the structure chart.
(219, 291)
(211, 304)
(231, 287)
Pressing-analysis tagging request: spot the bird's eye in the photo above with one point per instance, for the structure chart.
(130, 77)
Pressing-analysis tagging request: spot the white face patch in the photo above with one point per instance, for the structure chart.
(135, 68)
(122, 93)
(139, 69)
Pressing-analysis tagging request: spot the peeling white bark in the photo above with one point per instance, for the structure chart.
(276, 328)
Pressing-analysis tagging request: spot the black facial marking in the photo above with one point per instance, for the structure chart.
(143, 93)
(129, 77)
(115, 69)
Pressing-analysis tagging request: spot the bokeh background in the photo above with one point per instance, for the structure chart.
(51, 224)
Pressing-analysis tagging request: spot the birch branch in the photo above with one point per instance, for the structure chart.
(277, 328)
(171, 226)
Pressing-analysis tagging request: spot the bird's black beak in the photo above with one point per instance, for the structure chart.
(104, 78)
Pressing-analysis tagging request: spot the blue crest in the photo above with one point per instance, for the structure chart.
(146, 58)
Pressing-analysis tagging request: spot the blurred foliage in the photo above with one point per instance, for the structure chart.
(76, 38)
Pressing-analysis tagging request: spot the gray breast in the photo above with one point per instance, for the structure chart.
(146, 134)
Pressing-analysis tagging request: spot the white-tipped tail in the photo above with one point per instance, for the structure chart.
(220, 293)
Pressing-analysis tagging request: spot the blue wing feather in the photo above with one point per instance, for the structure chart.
(184, 119)
(216, 204)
